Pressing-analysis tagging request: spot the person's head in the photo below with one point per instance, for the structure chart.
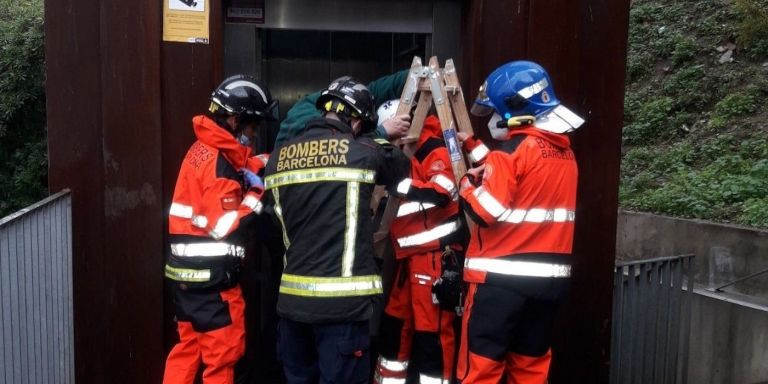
(387, 110)
(239, 104)
(350, 102)
(520, 91)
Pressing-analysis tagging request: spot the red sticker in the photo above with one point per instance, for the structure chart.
(229, 203)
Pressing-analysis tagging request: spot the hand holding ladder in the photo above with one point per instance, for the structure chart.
(441, 88)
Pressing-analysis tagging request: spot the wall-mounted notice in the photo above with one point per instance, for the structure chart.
(245, 11)
(186, 21)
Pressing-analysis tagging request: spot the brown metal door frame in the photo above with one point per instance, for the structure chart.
(120, 103)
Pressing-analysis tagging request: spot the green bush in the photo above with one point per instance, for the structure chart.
(638, 65)
(738, 104)
(753, 28)
(23, 156)
(651, 123)
(755, 213)
(684, 51)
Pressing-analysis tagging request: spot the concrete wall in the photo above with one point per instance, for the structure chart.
(723, 252)
(729, 330)
(729, 341)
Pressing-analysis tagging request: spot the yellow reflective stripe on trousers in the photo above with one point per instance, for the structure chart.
(350, 230)
(320, 174)
(313, 286)
(189, 275)
(279, 213)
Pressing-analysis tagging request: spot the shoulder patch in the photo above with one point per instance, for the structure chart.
(437, 166)
(487, 172)
(381, 141)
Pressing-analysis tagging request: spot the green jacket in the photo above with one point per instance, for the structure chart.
(384, 88)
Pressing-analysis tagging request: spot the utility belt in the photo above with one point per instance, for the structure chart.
(204, 266)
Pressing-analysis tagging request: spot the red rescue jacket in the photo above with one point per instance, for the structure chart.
(524, 207)
(209, 203)
(429, 210)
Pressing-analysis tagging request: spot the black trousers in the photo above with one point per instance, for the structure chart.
(337, 353)
(515, 314)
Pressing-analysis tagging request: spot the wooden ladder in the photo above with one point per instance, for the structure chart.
(440, 87)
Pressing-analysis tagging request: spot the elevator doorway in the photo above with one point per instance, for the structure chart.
(297, 48)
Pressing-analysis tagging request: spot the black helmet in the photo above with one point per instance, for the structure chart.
(243, 96)
(345, 96)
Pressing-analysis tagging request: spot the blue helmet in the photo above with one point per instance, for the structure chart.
(516, 88)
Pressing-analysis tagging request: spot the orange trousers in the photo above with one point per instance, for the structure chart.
(415, 331)
(218, 349)
(506, 331)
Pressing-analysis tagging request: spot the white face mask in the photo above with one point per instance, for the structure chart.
(497, 133)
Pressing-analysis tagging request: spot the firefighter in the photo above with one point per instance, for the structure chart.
(415, 330)
(321, 183)
(383, 88)
(218, 191)
(522, 196)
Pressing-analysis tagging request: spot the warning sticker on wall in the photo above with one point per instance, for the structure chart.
(186, 21)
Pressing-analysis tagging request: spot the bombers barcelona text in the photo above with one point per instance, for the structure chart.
(315, 153)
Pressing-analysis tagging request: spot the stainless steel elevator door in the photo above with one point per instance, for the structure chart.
(297, 63)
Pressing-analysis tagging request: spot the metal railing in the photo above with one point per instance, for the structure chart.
(720, 287)
(651, 321)
(36, 326)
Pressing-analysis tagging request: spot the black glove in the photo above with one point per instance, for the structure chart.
(448, 290)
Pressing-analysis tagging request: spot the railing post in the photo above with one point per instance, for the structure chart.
(36, 327)
(651, 316)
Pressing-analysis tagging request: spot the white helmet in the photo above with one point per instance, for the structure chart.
(387, 110)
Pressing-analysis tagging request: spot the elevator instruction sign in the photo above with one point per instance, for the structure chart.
(186, 21)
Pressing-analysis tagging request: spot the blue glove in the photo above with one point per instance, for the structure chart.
(252, 180)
